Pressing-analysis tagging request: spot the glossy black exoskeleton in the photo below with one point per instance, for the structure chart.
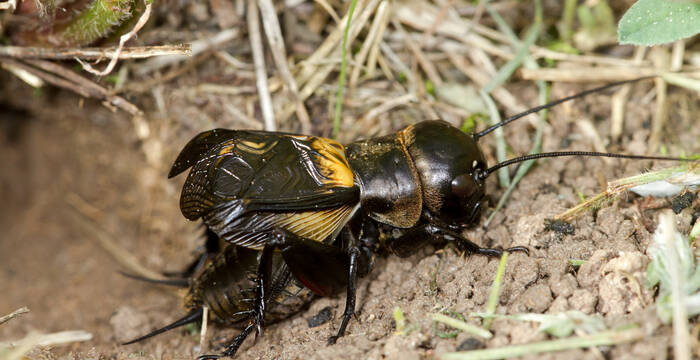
(320, 211)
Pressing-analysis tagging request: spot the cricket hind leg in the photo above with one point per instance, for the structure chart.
(323, 268)
(256, 321)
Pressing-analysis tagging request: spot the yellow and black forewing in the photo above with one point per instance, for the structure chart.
(245, 183)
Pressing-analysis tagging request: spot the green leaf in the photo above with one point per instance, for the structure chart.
(651, 22)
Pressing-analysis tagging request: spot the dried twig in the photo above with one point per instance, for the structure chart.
(122, 40)
(47, 77)
(133, 52)
(10, 316)
(62, 77)
(96, 91)
(198, 47)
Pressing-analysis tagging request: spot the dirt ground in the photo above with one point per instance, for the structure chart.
(63, 163)
(74, 173)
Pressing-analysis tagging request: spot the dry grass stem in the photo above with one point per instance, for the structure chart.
(24, 75)
(398, 64)
(329, 9)
(588, 74)
(95, 91)
(243, 118)
(661, 59)
(677, 53)
(122, 40)
(542, 53)
(371, 42)
(313, 76)
(619, 100)
(387, 106)
(225, 89)
(203, 332)
(133, 52)
(500, 94)
(421, 16)
(233, 61)
(589, 131)
(62, 77)
(374, 56)
(12, 315)
(268, 113)
(44, 76)
(279, 55)
(439, 17)
(660, 115)
(145, 86)
(617, 112)
(423, 61)
(197, 47)
(332, 42)
(52, 339)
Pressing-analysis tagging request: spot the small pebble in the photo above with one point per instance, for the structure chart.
(559, 226)
(470, 344)
(321, 318)
(682, 201)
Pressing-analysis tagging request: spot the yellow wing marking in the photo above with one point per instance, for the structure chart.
(332, 163)
(300, 137)
(227, 149)
(251, 147)
(315, 225)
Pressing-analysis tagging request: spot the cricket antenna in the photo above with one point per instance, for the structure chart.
(554, 103)
(484, 174)
(193, 316)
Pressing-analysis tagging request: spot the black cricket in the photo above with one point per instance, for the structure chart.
(301, 215)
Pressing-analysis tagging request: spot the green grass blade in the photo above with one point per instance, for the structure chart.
(343, 71)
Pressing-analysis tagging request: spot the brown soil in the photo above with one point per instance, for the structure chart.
(73, 172)
(57, 152)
